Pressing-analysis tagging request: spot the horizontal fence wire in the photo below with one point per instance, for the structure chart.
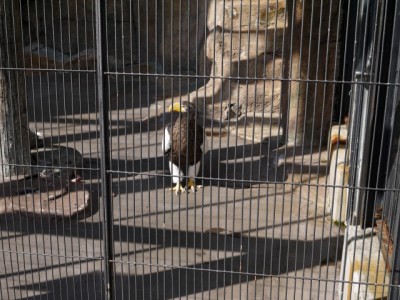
(188, 76)
(199, 149)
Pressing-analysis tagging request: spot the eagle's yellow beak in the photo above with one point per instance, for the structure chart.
(176, 107)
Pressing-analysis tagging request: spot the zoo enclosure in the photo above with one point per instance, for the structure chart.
(258, 70)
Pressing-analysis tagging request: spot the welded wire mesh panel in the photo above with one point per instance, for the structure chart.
(259, 227)
(50, 225)
(199, 149)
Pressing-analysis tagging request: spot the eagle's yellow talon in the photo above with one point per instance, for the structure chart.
(178, 188)
(192, 185)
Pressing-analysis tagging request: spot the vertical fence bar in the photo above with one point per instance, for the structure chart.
(102, 92)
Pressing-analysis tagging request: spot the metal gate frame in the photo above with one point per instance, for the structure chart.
(391, 171)
(374, 142)
(104, 122)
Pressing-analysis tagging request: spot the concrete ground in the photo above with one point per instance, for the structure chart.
(257, 230)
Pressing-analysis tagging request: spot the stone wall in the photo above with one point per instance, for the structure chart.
(310, 58)
(181, 35)
(260, 53)
(138, 32)
(245, 46)
(284, 54)
(68, 28)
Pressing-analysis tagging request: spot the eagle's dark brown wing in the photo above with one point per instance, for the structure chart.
(186, 142)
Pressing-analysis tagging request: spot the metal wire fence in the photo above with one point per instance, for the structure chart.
(295, 125)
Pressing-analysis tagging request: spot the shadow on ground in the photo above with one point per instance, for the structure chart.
(243, 259)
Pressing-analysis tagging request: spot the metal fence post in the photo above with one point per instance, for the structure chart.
(101, 57)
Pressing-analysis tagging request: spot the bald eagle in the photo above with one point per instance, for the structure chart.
(183, 143)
